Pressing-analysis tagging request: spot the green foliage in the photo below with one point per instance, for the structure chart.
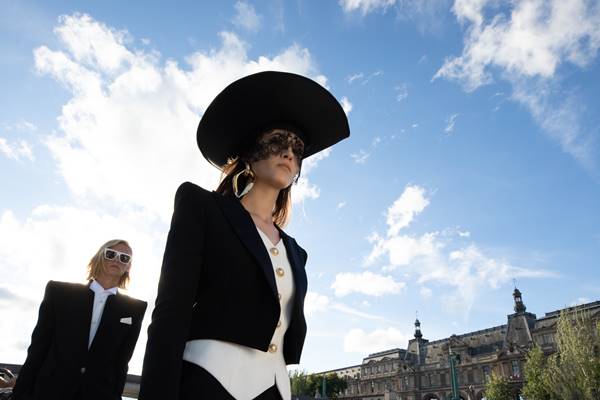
(304, 384)
(573, 372)
(498, 388)
(300, 383)
(536, 387)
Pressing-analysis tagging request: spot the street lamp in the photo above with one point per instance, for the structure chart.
(454, 360)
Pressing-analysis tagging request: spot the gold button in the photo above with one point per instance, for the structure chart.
(279, 296)
(274, 251)
(272, 348)
(280, 272)
(278, 324)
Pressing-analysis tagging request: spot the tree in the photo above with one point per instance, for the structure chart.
(535, 387)
(498, 388)
(305, 384)
(299, 381)
(573, 372)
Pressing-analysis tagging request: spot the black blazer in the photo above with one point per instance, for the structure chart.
(217, 282)
(59, 364)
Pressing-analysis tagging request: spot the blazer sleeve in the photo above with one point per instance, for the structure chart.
(128, 346)
(177, 286)
(41, 340)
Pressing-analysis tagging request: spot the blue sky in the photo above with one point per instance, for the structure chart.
(474, 157)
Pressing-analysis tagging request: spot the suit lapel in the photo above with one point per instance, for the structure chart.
(298, 271)
(109, 314)
(83, 305)
(244, 228)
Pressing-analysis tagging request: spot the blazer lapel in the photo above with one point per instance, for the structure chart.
(299, 274)
(245, 229)
(109, 314)
(83, 305)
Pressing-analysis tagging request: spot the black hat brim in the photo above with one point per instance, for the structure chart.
(270, 99)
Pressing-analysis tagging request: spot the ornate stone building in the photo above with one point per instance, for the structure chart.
(422, 370)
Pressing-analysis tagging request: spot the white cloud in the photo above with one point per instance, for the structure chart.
(354, 77)
(92, 43)
(526, 43)
(20, 126)
(425, 292)
(404, 249)
(17, 150)
(401, 92)
(341, 204)
(432, 258)
(426, 14)
(246, 17)
(401, 213)
(533, 40)
(559, 117)
(360, 157)
(134, 118)
(579, 301)
(315, 302)
(365, 6)
(366, 283)
(346, 105)
(450, 123)
(464, 234)
(303, 189)
(359, 341)
(415, 125)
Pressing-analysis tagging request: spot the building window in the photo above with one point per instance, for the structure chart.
(516, 368)
(405, 382)
(486, 373)
(470, 376)
(443, 379)
(547, 338)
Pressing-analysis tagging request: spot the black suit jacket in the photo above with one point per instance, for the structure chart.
(217, 282)
(59, 364)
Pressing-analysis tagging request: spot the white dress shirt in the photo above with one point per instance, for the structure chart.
(243, 371)
(100, 297)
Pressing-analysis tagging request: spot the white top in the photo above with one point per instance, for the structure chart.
(100, 296)
(243, 371)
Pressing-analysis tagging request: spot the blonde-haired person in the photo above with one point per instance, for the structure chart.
(229, 311)
(85, 334)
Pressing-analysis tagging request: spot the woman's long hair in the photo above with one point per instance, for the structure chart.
(96, 263)
(283, 204)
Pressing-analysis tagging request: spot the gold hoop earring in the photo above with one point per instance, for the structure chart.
(250, 177)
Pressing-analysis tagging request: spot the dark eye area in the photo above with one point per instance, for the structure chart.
(110, 254)
(124, 258)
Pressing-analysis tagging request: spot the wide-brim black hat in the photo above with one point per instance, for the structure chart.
(265, 100)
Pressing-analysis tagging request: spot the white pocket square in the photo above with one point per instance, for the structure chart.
(126, 320)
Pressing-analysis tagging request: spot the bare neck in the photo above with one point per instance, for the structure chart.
(107, 282)
(260, 202)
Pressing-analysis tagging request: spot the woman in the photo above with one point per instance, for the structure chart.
(229, 309)
(85, 334)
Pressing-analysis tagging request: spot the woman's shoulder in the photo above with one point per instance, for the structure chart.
(192, 188)
(192, 191)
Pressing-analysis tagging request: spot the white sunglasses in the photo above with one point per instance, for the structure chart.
(111, 254)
